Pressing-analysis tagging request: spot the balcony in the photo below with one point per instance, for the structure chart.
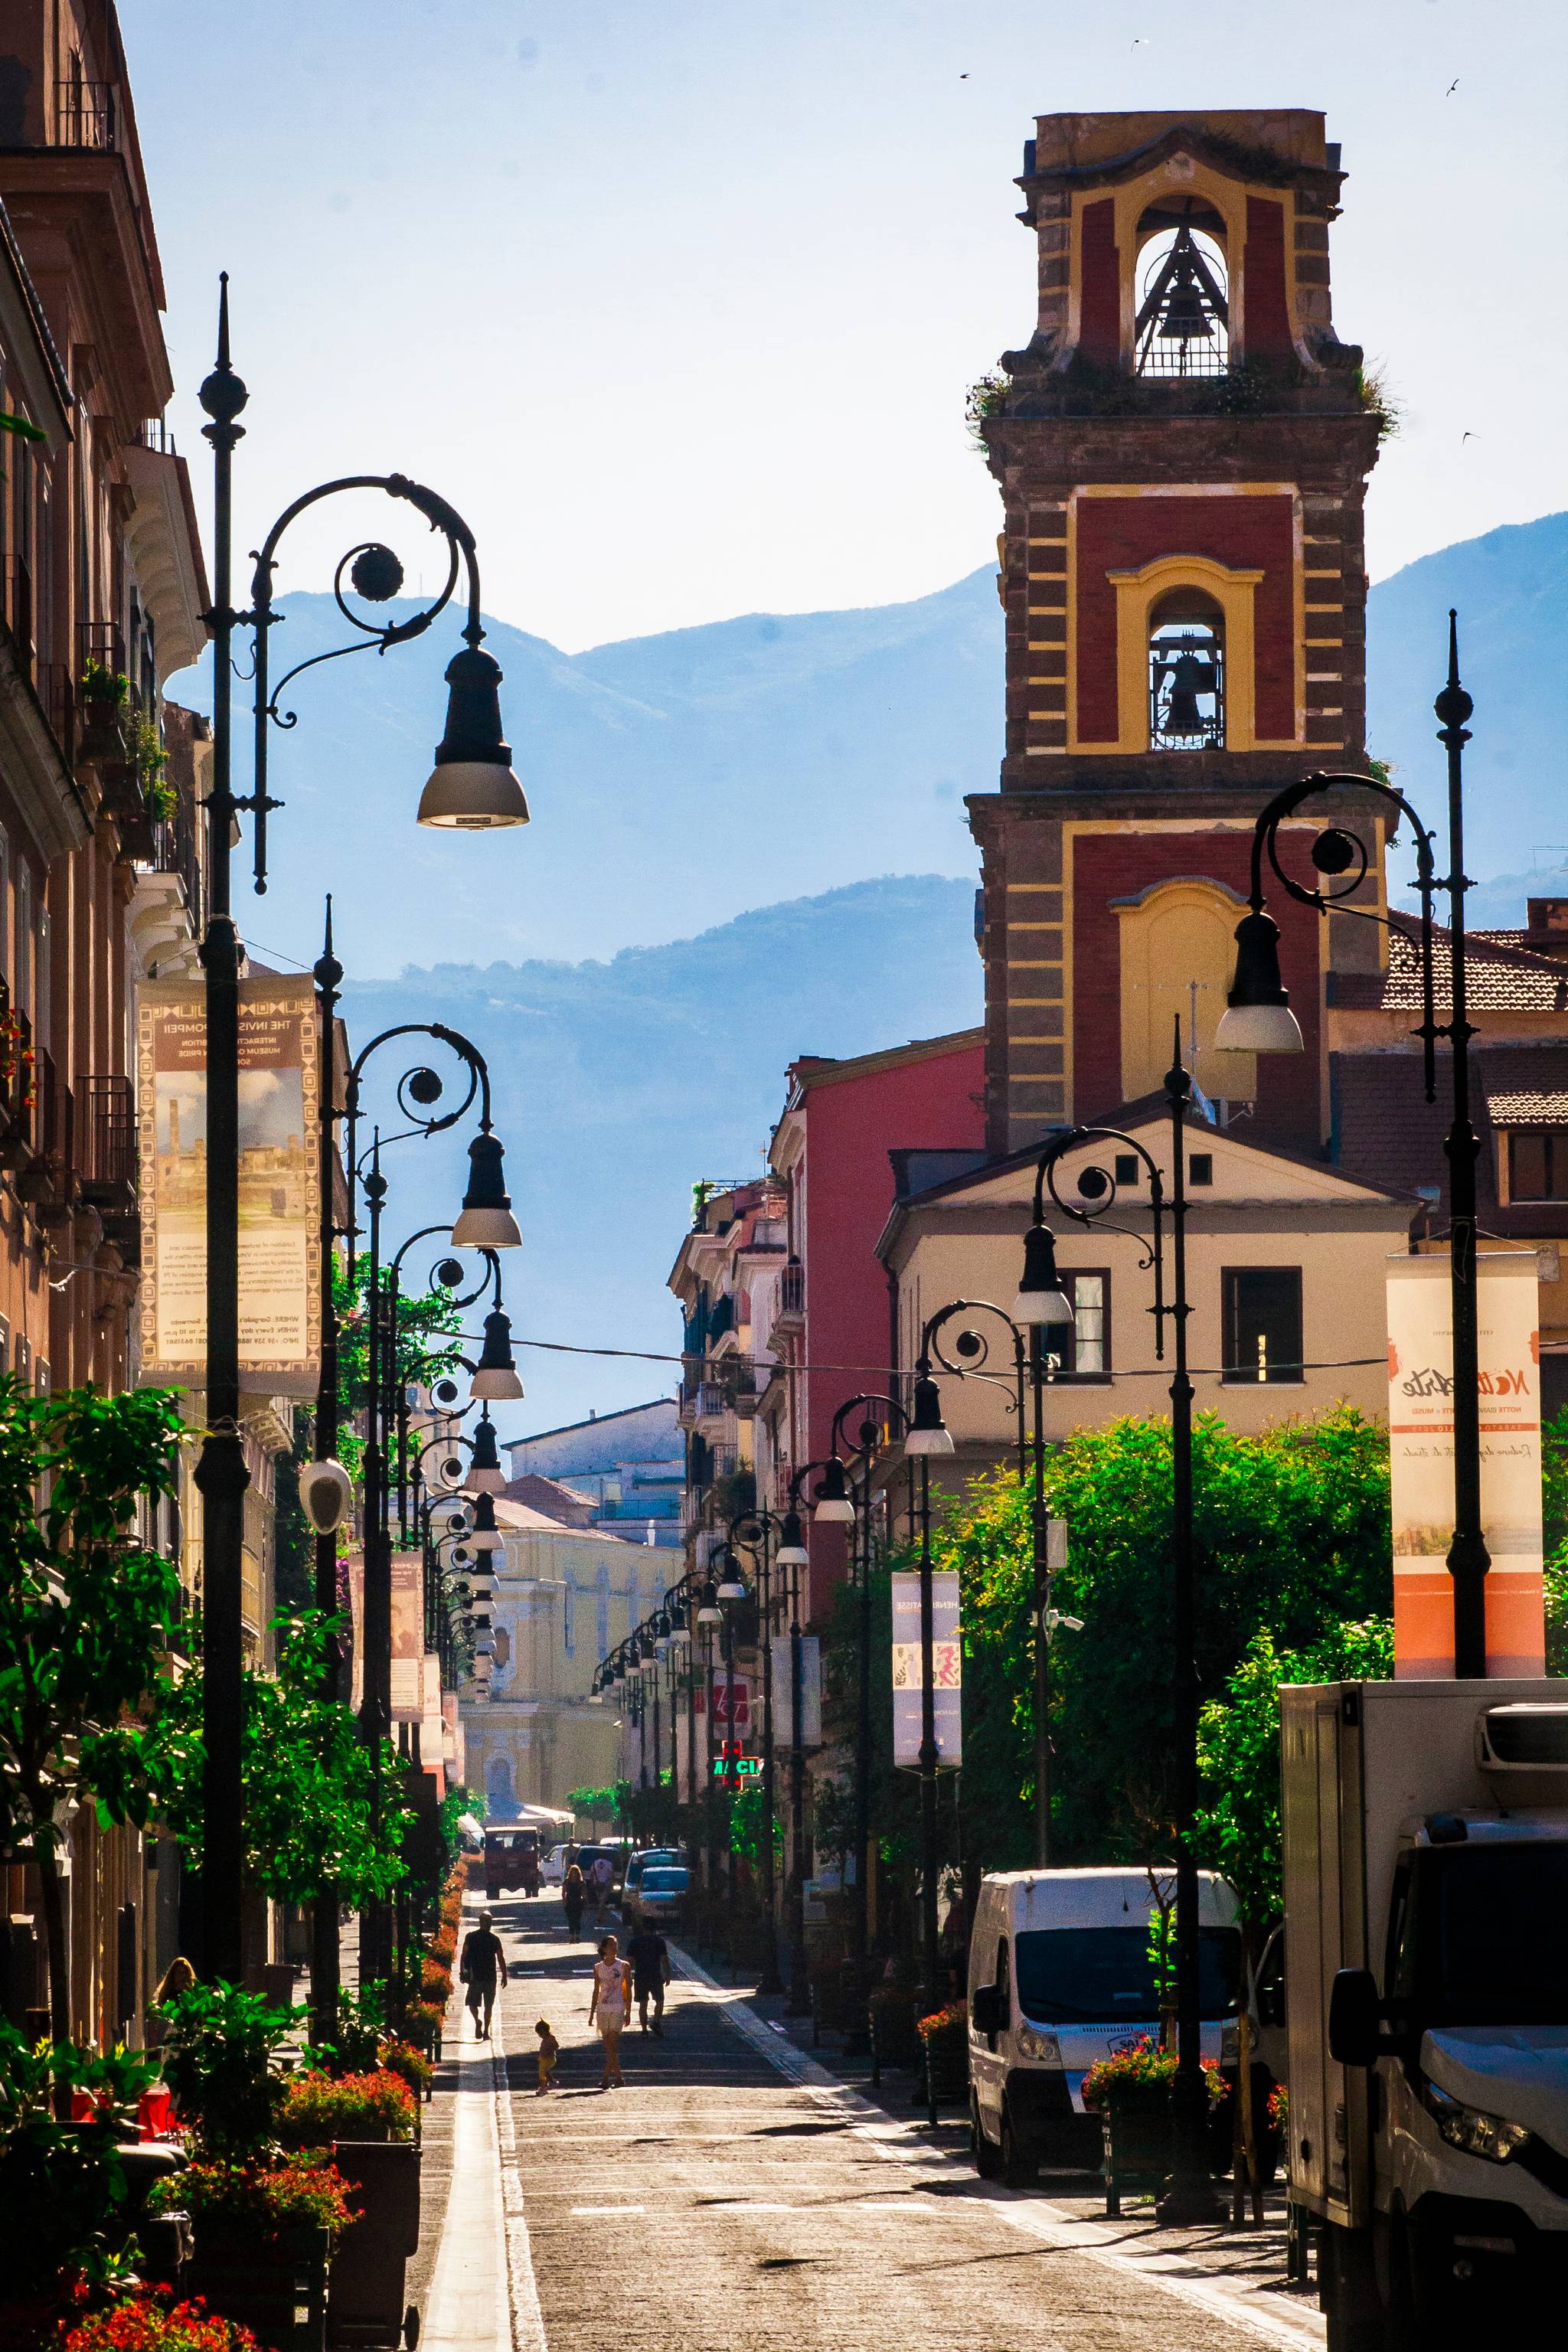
(107, 1160)
(47, 1178)
(87, 114)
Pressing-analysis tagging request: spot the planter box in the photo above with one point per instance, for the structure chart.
(365, 2302)
(1135, 2135)
(274, 2286)
(947, 2070)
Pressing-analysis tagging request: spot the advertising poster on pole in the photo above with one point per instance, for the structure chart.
(1421, 1452)
(947, 1672)
(810, 1692)
(280, 1183)
(407, 1636)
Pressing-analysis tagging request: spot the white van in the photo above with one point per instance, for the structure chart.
(1059, 1979)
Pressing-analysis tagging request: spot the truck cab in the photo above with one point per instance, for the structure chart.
(1427, 1919)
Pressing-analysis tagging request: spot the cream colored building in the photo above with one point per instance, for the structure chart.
(566, 1597)
(1286, 1265)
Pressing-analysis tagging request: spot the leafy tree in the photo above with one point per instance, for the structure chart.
(86, 1612)
(423, 1323)
(597, 1804)
(1292, 1532)
(310, 1818)
(293, 1540)
(1238, 1753)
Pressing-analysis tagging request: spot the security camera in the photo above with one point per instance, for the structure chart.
(326, 1491)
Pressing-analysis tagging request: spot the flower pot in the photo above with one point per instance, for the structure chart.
(263, 2279)
(365, 2297)
(1135, 2135)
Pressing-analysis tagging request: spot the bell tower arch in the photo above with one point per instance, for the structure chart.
(1183, 447)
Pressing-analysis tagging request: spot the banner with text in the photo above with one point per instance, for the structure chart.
(1421, 1451)
(810, 1691)
(279, 1188)
(947, 1672)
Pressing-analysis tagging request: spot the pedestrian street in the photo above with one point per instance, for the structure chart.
(733, 2197)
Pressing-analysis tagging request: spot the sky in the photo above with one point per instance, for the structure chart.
(677, 300)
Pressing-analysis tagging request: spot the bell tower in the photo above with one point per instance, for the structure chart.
(1183, 449)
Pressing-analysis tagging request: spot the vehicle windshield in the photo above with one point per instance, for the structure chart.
(1065, 1974)
(1484, 1942)
(664, 1882)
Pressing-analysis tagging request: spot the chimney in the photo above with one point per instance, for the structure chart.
(1547, 931)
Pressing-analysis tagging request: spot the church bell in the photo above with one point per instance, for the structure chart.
(1189, 679)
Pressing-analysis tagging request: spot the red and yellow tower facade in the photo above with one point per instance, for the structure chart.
(1183, 449)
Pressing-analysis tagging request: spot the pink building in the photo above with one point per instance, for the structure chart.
(821, 1314)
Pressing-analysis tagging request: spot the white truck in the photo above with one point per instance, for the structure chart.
(1425, 1854)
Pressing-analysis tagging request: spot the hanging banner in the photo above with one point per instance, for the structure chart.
(810, 1691)
(279, 1187)
(947, 1672)
(1421, 1462)
(407, 1636)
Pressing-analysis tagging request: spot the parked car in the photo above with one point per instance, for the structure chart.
(661, 1895)
(647, 1858)
(552, 1869)
(1059, 1978)
(587, 1855)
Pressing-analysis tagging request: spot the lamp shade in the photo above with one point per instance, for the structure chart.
(792, 1551)
(485, 1475)
(834, 1508)
(487, 1537)
(1041, 1298)
(1257, 1018)
(730, 1587)
(495, 1374)
(928, 1432)
(472, 788)
(708, 1611)
(486, 1221)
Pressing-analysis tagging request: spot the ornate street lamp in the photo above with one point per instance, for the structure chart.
(1259, 1020)
(476, 788)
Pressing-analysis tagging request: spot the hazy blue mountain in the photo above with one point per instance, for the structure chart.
(1511, 590)
(674, 781)
(618, 1085)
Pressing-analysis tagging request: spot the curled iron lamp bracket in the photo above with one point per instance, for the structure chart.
(975, 1345)
(1098, 1191)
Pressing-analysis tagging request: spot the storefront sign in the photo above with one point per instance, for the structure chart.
(1420, 1446)
(947, 1672)
(280, 1211)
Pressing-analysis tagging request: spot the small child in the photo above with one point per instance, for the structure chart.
(549, 2051)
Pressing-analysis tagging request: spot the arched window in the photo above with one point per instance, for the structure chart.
(1182, 327)
(1187, 672)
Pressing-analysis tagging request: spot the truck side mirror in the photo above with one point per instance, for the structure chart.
(988, 2008)
(1355, 2016)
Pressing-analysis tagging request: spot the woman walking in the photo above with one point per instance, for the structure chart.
(574, 1893)
(607, 2009)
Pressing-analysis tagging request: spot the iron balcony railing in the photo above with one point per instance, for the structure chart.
(791, 1290)
(108, 1138)
(87, 114)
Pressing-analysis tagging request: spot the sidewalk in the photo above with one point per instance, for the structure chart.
(1243, 2268)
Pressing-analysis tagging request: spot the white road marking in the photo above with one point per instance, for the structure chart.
(603, 2213)
(1177, 2275)
(526, 2332)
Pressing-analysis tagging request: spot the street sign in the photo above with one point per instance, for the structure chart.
(743, 1768)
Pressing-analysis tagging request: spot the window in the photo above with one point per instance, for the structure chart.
(1183, 317)
(1187, 673)
(1128, 1167)
(1262, 1323)
(1084, 1352)
(1537, 1164)
(1200, 1167)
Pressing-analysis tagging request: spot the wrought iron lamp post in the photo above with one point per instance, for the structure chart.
(1259, 1020)
(754, 1532)
(472, 785)
(1189, 2195)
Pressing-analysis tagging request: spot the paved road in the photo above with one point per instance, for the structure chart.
(716, 2204)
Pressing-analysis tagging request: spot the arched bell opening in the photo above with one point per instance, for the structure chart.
(1187, 673)
(1183, 327)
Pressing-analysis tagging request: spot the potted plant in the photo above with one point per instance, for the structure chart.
(65, 2193)
(318, 2108)
(894, 2039)
(264, 2229)
(1131, 2093)
(944, 2040)
(105, 698)
(150, 2320)
(403, 2058)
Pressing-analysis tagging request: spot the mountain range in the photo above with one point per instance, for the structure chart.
(749, 842)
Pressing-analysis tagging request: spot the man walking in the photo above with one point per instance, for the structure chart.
(481, 1962)
(649, 1956)
(600, 1878)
